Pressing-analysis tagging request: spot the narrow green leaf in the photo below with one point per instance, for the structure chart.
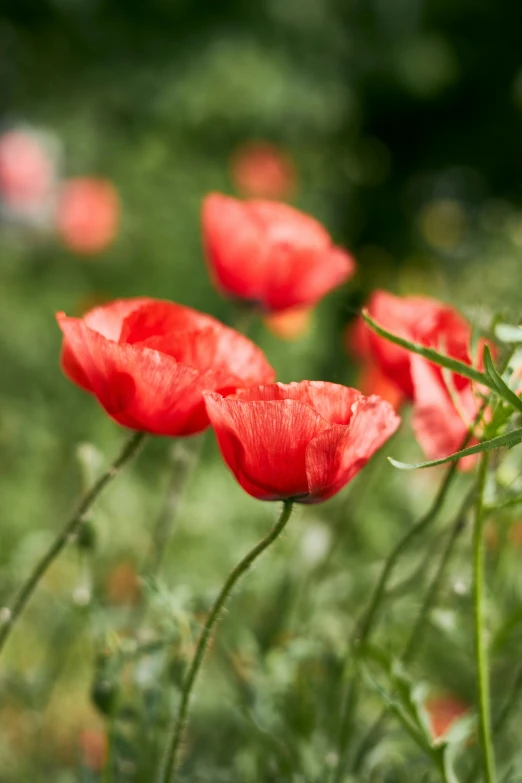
(433, 356)
(508, 440)
(502, 388)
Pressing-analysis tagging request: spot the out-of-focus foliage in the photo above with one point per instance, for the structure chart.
(403, 120)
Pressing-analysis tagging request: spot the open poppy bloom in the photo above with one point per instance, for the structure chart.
(148, 362)
(444, 403)
(270, 254)
(301, 441)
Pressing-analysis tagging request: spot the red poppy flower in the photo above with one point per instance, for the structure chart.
(149, 361)
(371, 378)
(262, 170)
(301, 441)
(88, 214)
(270, 254)
(444, 403)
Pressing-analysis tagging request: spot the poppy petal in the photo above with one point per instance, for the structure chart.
(140, 388)
(334, 457)
(232, 242)
(264, 443)
(437, 424)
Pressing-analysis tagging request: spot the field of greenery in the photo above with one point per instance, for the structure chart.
(377, 639)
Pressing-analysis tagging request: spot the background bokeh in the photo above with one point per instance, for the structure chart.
(402, 125)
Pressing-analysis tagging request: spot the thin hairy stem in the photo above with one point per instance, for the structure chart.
(168, 770)
(183, 460)
(9, 615)
(481, 648)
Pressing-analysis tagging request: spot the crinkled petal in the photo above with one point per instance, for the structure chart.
(331, 401)
(139, 387)
(334, 457)
(107, 320)
(199, 341)
(264, 443)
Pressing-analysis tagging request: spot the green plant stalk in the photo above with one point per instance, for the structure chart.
(12, 613)
(168, 769)
(430, 597)
(481, 651)
(366, 624)
(183, 463)
(416, 634)
(501, 718)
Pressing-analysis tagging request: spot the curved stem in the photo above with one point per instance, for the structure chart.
(168, 770)
(481, 652)
(9, 615)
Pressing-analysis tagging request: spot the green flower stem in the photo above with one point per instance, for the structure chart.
(481, 651)
(168, 770)
(501, 718)
(184, 458)
(11, 614)
(416, 635)
(366, 624)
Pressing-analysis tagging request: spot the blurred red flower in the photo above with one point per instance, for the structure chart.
(88, 214)
(371, 378)
(148, 362)
(262, 170)
(270, 254)
(26, 170)
(443, 711)
(301, 441)
(444, 403)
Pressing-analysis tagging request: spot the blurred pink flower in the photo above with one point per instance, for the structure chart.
(88, 214)
(26, 170)
(262, 170)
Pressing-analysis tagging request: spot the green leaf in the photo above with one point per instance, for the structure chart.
(502, 388)
(433, 356)
(508, 440)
